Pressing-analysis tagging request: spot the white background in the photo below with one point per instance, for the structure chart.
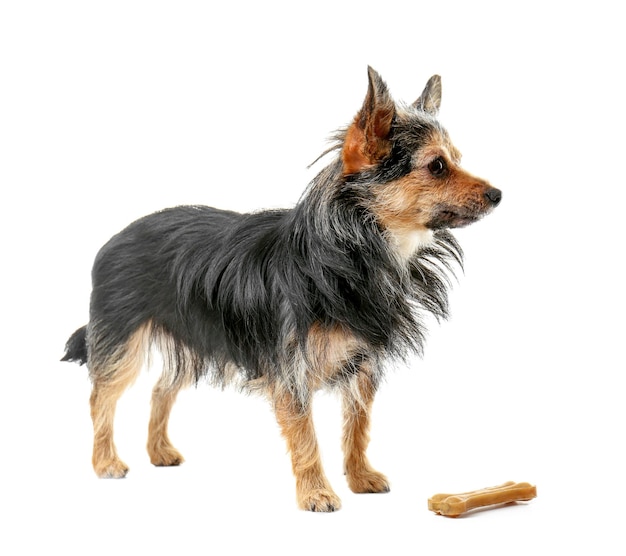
(111, 110)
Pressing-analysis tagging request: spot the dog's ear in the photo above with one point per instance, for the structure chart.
(367, 139)
(430, 99)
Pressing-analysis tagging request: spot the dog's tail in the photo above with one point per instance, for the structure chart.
(76, 347)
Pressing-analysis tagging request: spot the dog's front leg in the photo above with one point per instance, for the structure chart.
(313, 490)
(357, 406)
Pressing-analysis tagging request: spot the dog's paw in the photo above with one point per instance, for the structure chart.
(368, 481)
(166, 457)
(319, 500)
(115, 469)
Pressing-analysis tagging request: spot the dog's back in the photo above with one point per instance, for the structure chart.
(190, 273)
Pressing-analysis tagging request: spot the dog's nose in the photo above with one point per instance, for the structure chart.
(494, 196)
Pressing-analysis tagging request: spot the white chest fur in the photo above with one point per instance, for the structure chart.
(407, 243)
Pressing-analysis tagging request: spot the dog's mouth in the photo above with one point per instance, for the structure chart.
(447, 215)
(454, 217)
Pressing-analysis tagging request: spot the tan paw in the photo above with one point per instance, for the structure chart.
(115, 469)
(166, 457)
(368, 481)
(319, 500)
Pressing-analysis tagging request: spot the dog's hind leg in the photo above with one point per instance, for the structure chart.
(313, 490)
(111, 376)
(160, 449)
(358, 398)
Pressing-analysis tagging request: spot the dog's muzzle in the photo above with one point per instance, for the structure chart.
(494, 196)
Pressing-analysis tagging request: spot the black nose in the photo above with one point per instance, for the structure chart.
(494, 195)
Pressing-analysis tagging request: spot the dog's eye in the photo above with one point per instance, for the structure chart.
(437, 167)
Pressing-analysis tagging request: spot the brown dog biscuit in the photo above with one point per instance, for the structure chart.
(453, 505)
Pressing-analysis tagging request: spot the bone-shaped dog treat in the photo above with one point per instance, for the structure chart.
(453, 505)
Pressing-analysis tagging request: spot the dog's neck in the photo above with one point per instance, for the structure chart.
(407, 243)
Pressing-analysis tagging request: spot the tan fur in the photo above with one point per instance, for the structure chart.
(108, 385)
(328, 348)
(313, 491)
(160, 449)
(366, 141)
(406, 205)
(175, 376)
(363, 184)
(354, 157)
(361, 476)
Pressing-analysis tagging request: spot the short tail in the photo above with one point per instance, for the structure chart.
(76, 347)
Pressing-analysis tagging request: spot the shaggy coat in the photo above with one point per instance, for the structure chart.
(289, 301)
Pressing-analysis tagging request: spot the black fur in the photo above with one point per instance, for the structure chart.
(232, 287)
(76, 347)
(289, 301)
(245, 289)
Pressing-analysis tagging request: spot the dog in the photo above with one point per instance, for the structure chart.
(287, 302)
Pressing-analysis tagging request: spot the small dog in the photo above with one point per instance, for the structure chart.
(286, 302)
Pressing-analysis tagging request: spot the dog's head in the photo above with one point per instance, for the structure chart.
(412, 168)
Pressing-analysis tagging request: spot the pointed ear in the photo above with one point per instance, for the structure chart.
(430, 99)
(367, 139)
